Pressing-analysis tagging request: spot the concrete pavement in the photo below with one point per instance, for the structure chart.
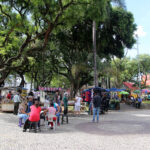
(127, 129)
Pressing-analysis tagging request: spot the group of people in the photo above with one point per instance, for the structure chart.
(33, 112)
(136, 101)
(29, 109)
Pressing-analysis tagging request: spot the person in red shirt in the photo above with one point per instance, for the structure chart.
(35, 112)
(34, 115)
(9, 95)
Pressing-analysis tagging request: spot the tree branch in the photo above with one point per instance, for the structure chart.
(24, 45)
(8, 34)
(5, 12)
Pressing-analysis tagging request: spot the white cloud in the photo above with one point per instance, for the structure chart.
(140, 31)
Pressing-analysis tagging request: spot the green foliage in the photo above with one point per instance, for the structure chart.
(60, 81)
(116, 33)
(24, 23)
(125, 70)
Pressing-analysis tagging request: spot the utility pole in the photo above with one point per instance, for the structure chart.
(94, 52)
(139, 71)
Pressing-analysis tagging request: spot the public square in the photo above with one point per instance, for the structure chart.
(126, 129)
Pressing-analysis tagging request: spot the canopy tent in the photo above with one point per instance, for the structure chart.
(137, 91)
(116, 90)
(145, 91)
(124, 93)
(100, 89)
(97, 89)
(130, 86)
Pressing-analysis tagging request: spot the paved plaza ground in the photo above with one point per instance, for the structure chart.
(127, 129)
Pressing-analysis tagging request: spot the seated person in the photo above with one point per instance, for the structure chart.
(22, 114)
(34, 115)
(52, 111)
(29, 104)
(57, 107)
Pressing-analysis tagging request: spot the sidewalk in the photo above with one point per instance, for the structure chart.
(117, 130)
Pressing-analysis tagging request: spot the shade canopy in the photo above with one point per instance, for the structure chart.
(137, 91)
(124, 93)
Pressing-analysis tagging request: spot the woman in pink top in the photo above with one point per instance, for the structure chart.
(34, 115)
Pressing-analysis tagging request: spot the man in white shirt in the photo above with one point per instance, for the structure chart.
(78, 105)
(16, 100)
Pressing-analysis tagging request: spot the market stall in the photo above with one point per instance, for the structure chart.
(7, 105)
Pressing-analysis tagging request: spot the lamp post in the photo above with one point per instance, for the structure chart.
(94, 52)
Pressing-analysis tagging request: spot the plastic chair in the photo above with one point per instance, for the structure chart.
(35, 124)
(51, 120)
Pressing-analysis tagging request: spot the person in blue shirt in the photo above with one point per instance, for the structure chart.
(138, 102)
(57, 107)
(29, 104)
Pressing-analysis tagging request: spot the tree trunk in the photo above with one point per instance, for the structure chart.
(31, 82)
(2, 82)
(22, 81)
(3, 75)
(74, 88)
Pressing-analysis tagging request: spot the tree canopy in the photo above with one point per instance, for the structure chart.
(43, 39)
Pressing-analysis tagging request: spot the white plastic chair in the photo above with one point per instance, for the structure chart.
(50, 119)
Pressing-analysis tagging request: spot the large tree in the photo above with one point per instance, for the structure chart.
(25, 22)
(75, 45)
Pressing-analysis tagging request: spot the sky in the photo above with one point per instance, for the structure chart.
(141, 12)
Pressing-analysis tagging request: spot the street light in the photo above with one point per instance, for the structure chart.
(139, 74)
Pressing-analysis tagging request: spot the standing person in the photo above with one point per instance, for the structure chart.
(103, 103)
(65, 101)
(78, 105)
(58, 98)
(107, 101)
(139, 102)
(16, 100)
(9, 95)
(46, 102)
(96, 106)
